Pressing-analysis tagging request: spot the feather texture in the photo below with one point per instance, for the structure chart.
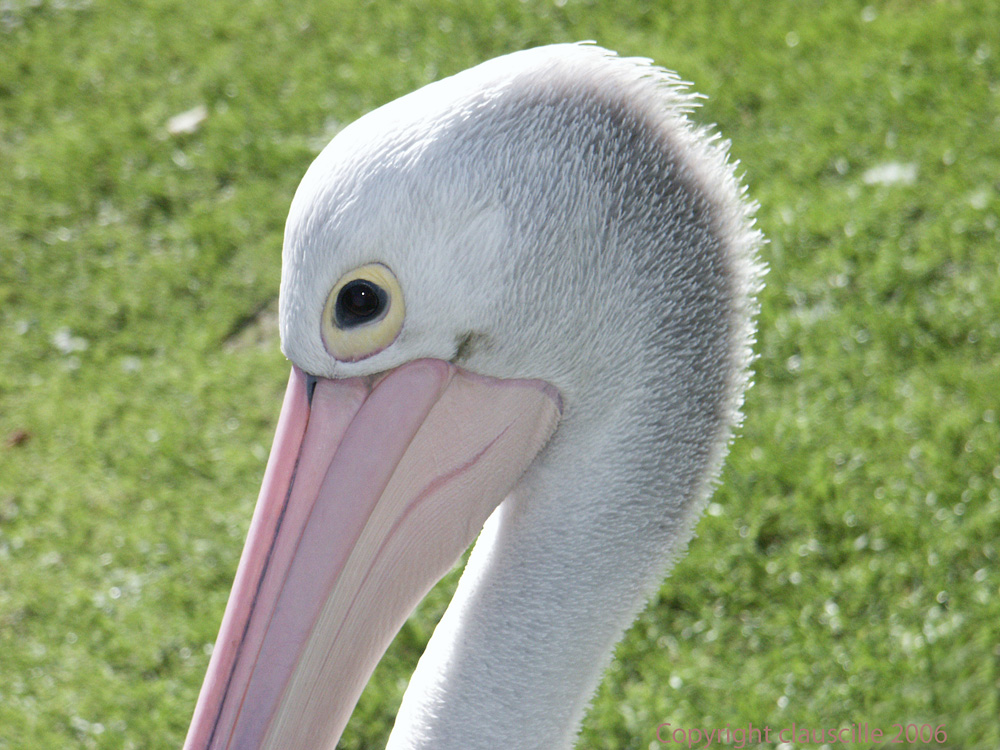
(550, 214)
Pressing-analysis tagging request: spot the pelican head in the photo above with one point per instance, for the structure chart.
(518, 303)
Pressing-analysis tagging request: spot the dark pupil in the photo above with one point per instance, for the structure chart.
(358, 302)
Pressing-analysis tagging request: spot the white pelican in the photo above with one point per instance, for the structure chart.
(521, 296)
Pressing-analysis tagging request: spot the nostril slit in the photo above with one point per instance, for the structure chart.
(311, 381)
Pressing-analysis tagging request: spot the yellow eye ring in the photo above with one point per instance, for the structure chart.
(363, 313)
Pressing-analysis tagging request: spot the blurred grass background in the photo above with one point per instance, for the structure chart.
(847, 569)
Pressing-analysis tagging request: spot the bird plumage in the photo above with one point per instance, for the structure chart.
(551, 214)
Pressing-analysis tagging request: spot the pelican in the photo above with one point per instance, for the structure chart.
(519, 305)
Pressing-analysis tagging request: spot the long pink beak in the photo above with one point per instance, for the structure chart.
(371, 494)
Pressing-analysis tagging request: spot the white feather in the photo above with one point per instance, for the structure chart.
(549, 214)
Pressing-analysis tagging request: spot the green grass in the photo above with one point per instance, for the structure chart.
(847, 570)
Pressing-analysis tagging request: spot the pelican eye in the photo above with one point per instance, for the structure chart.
(363, 313)
(359, 301)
